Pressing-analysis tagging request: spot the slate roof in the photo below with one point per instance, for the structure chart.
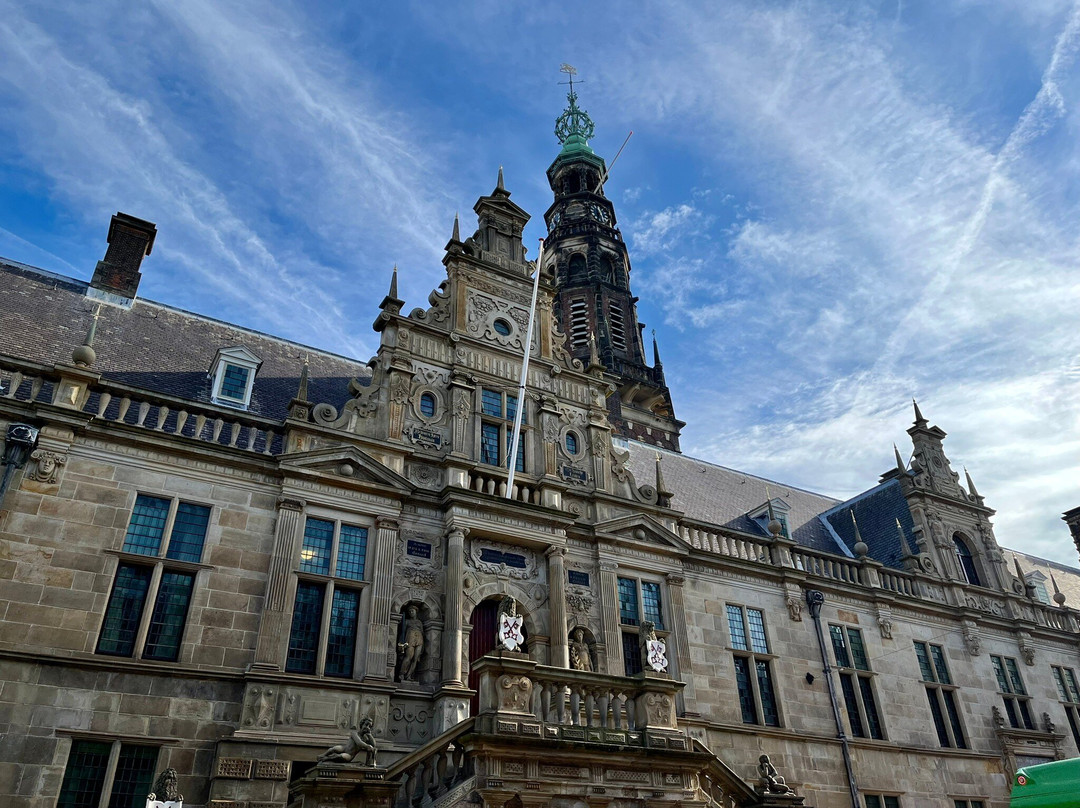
(876, 511)
(721, 496)
(157, 347)
(1068, 578)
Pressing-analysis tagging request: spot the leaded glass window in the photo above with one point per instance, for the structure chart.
(753, 672)
(84, 776)
(638, 601)
(315, 550)
(234, 382)
(124, 611)
(628, 602)
(940, 695)
(306, 624)
(495, 437)
(92, 763)
(189, 532)
(427, 405)
(1069, 694)
(856, 682)
(147, 525)
(341, 644)
(1013, 694)
(134, 776)
(169, 615)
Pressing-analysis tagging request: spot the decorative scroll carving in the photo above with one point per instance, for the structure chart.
(438, 300)
(501, 568)
(514, 693)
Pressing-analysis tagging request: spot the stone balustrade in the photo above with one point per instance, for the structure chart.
(434, 770)
(494, 482)
(520, 697)
(177, 417)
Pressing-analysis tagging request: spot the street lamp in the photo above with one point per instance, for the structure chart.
(21, 439)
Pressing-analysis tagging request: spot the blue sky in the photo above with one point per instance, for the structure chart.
(831, 206)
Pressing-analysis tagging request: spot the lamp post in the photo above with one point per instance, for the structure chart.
(21, 439)
(814, 600)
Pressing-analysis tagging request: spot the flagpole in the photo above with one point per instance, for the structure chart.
(511, 461)
(607, 171)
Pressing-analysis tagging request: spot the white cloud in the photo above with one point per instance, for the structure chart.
(655, 232)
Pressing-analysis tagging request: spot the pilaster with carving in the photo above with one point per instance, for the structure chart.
(461, 412)
(455, 578)
(273, 624)
(382, 557)
(560, 646)
(686, 699)
(609, 610)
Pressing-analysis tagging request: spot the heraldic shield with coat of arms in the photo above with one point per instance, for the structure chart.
(509, 631)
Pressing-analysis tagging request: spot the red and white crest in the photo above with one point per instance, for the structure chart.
(656, 654)
(510, 635)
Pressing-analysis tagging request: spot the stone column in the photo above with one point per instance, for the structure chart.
(455, 593)
(381, 560)
(273, 624)
(560, 645)
(609, 609)
(682, 644)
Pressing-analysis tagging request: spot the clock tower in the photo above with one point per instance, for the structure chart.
(593, 300)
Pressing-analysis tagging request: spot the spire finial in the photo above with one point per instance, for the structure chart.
(861, 548)
(302, 390)
(656, 351)
(1059, 596)
(499, 186)
(457, 229)
(393, 283)
(905, 548)
(594, 358)
(574, 127)
(919, 420)
(84, 355)
(1028, 588)
(971, 485)
(900, 465)
(662, 494)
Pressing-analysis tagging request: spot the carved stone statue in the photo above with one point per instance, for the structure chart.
(999, 719)
(360, 740)
(771, 782)
(166, 788)
(412, 646)
(580, 656)
(1048, 723)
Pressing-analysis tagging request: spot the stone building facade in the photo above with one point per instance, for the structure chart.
(222, 553)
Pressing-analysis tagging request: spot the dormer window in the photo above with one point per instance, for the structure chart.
(762, 517)
(233, 374)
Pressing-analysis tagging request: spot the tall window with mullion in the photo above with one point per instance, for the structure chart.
(90, 765)
(498, 410)
(1065, 679)
(639, 601)
(326, 611)
(881, 801)
(168, 589)
(941, 695)
(856, 682)
(1013, 693)
(752, 661)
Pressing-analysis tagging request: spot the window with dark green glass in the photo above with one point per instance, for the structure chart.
(149, 520)
(880, 801)
(1069, 694)
(940, 694)
(758, 701)
(306, 624)
(499, 410)
(91, 764)
(1013, 693)
(147, 525)
(123, 613)
(856, 682)
(628, 602)
(169, 615)
(341, 642)
(639, 601)
(332, 554)
(234, 383)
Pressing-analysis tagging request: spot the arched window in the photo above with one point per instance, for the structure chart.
(967, 561)
(571, 443)
(427, 405)
(577, 266)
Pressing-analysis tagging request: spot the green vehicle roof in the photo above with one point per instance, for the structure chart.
(1047, 785)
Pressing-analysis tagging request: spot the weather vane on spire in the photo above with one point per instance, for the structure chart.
(574, 121)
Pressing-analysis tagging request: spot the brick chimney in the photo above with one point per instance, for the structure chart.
(129, 240)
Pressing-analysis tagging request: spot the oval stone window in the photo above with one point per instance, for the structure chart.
(571, 443)
(502, 327)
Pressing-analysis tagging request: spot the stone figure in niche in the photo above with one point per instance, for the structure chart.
(771, 782)
(508, 629)
(166, 790)
(360, 740)
(411, 646)
(580, 656)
